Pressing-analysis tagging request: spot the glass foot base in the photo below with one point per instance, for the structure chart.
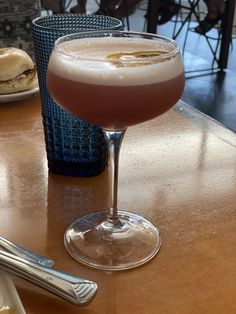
(95, 242)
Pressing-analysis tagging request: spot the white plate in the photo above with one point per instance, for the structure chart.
(9, 297)
(18, 96)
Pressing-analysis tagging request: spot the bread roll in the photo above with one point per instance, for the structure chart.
(17, 71)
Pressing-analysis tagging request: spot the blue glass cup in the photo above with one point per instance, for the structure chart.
(74, 147)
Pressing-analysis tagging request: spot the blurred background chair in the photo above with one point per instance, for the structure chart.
(190, 13)
(219, 36)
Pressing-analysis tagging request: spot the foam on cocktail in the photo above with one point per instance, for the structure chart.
(113, 82)
(76, 61)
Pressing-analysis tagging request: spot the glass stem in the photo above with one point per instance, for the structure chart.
(114, 140)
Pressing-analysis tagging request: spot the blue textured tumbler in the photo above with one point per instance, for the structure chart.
(74, 147)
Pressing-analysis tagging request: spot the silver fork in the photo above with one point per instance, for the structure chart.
(25, 253)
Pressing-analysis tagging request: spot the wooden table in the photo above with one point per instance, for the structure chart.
(177, 170)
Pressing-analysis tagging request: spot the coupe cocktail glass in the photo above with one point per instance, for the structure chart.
(114, 79)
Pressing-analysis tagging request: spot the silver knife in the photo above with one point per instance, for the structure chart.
(77, 290)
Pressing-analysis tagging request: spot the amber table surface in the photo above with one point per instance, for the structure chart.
(178, 170)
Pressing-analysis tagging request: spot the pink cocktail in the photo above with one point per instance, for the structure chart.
(114, 80)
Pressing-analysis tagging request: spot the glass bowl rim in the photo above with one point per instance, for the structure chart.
(164, 56)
